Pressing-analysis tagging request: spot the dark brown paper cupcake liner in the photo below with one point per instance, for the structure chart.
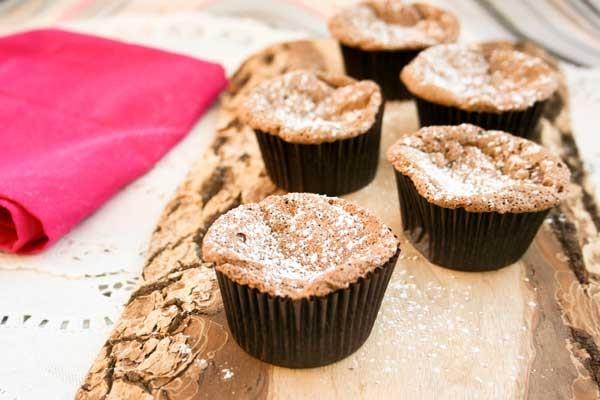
(309, 332)
(382, 67)
(333, 168)
(519, 123)
(463, 240)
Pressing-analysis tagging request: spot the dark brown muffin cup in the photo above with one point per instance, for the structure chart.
(382, 66)
(308, 332)
(331, 168)
(521, 123)
(463, 240)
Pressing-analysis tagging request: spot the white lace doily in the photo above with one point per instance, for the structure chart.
(584, 91)
(58, 307)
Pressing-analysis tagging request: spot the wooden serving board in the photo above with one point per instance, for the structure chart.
(530, 330)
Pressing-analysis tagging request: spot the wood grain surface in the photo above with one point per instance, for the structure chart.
(527, 331)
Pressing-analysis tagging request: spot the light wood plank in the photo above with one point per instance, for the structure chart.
(527, 331)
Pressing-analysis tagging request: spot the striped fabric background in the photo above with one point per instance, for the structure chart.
(570, 29)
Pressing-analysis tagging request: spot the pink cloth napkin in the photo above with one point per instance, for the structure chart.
(82, 116)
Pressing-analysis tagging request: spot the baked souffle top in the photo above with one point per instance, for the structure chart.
(393, 25)
(298, 245)
(311, 107)
(480, 171)
(479, 77)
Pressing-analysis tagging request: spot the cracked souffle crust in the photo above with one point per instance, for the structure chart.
(309, 107)
(480, 171)
(479, 77)
(298, 245)
(393, 25)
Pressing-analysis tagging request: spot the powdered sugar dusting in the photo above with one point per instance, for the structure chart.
(465, 166)
(437, 325)
(393, 25)
(298, 244)
(484, 77)
(227, 374)
(309, 107)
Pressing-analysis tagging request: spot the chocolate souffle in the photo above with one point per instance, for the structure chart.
(317, 133)
(378, 38)
(488, 85)
(473, 199)
(302, 276)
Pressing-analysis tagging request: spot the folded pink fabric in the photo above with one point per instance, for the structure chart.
(82, 116)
